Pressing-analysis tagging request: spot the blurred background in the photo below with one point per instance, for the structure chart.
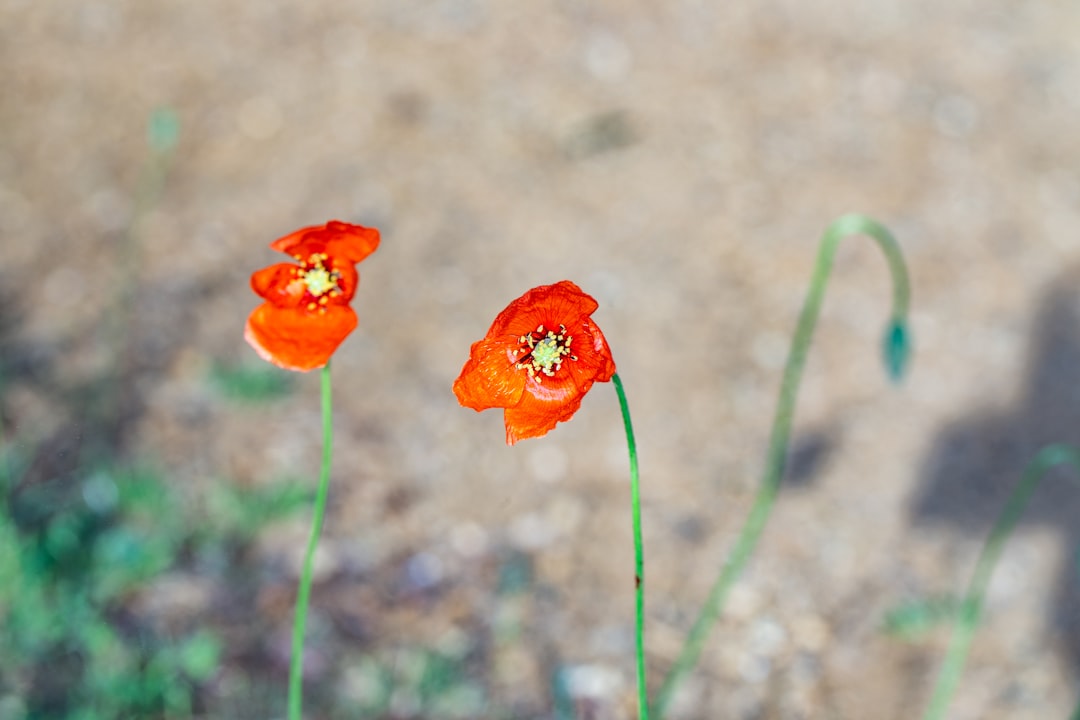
(677, 160)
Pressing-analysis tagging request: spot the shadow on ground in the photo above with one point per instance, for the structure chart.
(978, 459)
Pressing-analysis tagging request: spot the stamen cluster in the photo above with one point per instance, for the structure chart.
(320, 282)
(544, 354)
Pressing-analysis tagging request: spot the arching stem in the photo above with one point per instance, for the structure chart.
(897, 352)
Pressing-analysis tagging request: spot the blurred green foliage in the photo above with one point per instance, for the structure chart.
(415, 682)
(70, 562)
(163, 130)
(913, 620)
(65, 569)
(251, 382)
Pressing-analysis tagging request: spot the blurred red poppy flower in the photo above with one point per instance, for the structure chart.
(537, 361)
(306, 314)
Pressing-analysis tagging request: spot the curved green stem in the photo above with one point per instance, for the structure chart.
(639, 553)
(896, 346)
(967, 618)
(303, 595)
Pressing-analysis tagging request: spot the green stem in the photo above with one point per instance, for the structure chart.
(896, 349)
(639, 553)
(967, 618)
(303, 595)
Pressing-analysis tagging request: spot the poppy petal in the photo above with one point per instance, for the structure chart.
(348, 278)
(566, 299)
(352, 242)
(279, 284)
(295, 243)
(297, 339)
(594, 361)
(337, 239)
(548, 305)
(540, 409)
(489, 378)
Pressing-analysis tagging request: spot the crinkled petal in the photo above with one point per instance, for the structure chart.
(296, 339)
(340, 240)
(564, 299)
(279, 284)
(352, 242)
(594, 362)
(547, 305)
(489, 378)
(290, 243)
(542, 406)
(348, 278)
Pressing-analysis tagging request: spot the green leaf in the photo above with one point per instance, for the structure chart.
(200, 655)
(252, 383)
(912, 620)
(163, 130)
(440, 674)
(125, 557)
(62, 537)
(245, 511)
(515, 573)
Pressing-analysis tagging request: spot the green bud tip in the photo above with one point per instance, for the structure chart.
(897, 349)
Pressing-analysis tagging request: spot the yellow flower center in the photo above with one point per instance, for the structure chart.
(320, 282)
(543, 352)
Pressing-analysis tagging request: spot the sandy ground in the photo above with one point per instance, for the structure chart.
(677, 160)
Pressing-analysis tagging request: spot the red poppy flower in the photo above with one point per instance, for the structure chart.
(537, 361)
(306, 314)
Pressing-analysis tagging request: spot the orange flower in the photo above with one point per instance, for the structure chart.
(306, 314)
(537, 361)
